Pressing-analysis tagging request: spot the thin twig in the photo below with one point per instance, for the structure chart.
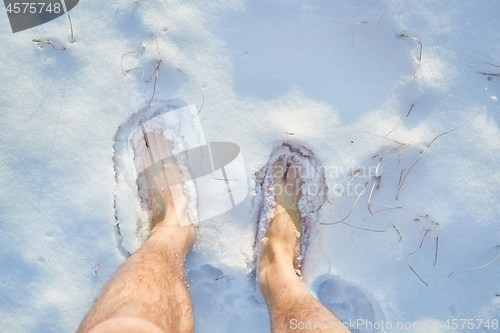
(498, 256)
(432, 141)
(202, 94)
(156, 70)
(40, 42)
(489, 74)
(437, 247)
(352, 32)
(354, 175)
(402, 121)
(417, 275)
(400, 177)
(334, 187)
(486, 63)
(419, 247)
(382, 137)
(135, 68)
(354, 227)
(393, 149)
(427, 229)
(378, 166)
(370, 196)
(384, 205)
(376, 230)
(403, 212)
(446, 278)
(397, 229)
(352, 208)
(415, 39)
(485, 73)
(123, 56)
(70, 22)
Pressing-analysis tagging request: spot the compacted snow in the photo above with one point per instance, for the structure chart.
(410, 223)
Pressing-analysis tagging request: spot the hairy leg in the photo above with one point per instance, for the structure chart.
(291, 305)
(149, 292)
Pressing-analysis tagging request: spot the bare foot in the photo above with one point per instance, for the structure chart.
(283, 236)
(167, 202)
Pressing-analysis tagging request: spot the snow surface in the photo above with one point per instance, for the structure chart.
(338, 75)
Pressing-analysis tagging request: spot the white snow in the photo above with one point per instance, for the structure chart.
(338, 75)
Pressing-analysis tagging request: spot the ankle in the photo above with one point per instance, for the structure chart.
(175, 239)
(277, 278)
(276, 263)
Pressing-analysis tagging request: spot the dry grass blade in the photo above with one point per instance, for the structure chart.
(415, 39)
(352, 32)
(498, 256)
(486, 63)
(354, 175)
(378, 166)
(407, 172)
(446, 278)
(123, 56)
(417, 275)
(437, 247)
(486, 73)
(404, 145)
(489, 74)
(201, 91)
(375, 230)
(384, 205)
(40, 43)
(70, 22)
(352, 208)
(154, 84)
(134, 69)
(453, 130)
(377, 181)
(418, 217)
(430, 143)
(419, 247)
(400, 236)
(334, 187)
(402, 121)
(427, 229)
(382, 137)
(354, 227)
(156, 70)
